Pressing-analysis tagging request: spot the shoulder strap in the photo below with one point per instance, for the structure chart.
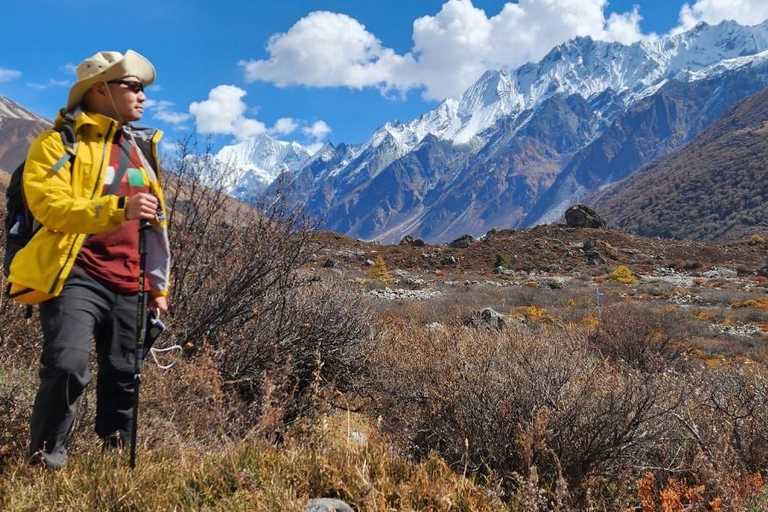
(68, 137)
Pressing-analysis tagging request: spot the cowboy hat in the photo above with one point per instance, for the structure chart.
(106, 66)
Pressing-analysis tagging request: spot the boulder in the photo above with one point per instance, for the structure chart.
(462, 242)
(487, 318)
(582, 216)
(406, 240)
(449, 260)
(328, 505)
(418, 242)
(329, 263)
(594, 258)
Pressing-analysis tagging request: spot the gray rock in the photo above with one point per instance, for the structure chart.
(368, 263)
(462, 242)
(406, 240)
(449, 260)
(328, 505)
(588, 244)
(488, 318)
(418, 242)
(554, 267)
(329, 263)
(582, 216)
(594, 258)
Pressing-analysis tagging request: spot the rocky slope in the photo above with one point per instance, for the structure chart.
(712, 188)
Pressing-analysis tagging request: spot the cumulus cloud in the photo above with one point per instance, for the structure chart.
(6, 75)
(318, 130)
(284, 126)
(745, 12)
(224, 113)
(451, 48)
(163, 111)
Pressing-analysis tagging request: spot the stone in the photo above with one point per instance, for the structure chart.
(488, 318)
(368, 263)
(328, 505)
(449, 260)
(594, 258)
(582, 216)
(329, 263)
(554, 267)
(417, 242)
(462, 242)
(406, 240)
(588, 244)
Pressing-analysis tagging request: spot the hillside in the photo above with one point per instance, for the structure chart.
(713, 188)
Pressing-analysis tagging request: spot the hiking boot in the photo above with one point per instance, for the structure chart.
(113, 441)
(54, 460)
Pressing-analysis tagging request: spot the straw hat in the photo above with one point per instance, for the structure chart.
(106, 66)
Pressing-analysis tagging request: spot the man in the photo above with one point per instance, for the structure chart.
(82, 265)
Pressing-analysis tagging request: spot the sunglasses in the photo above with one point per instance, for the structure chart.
(134, 86)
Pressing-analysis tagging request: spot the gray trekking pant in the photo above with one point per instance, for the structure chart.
(85, 309)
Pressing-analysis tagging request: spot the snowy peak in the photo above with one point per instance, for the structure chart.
(257, 161)
(12, 110)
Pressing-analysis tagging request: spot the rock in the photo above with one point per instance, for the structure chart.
(720, 272)
(488, 318)
(608, 249)
(582, 216)
(329, 263)
(763, 271)
(368, 263)
(594, 258)
(449, 260)
(554, 267)
(328, 505)
(588, 244)
(417, 242)
(490, 235)
(462, 242)
(406, 240)
(435, 327)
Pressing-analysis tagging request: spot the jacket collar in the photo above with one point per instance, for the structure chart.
(80, 118)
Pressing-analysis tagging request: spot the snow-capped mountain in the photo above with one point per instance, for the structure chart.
(510, 136)
(255, 163)
(18, 128)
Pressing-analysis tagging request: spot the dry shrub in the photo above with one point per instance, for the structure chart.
(278, 336)
(508, 402)
(640, 335)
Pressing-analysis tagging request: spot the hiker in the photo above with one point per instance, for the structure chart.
(82, 265)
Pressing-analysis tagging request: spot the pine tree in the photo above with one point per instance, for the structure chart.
(378, 270)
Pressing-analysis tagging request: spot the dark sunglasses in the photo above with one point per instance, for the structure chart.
(134, 86)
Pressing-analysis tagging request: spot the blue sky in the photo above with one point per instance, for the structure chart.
(311, 71)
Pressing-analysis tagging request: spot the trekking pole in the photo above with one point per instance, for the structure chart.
(141, 328)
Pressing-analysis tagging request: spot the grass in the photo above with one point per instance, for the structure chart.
(247, 475)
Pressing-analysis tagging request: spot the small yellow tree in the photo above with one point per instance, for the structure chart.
(378, 270)
(623, 275)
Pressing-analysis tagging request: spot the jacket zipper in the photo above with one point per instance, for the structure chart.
(107, 138)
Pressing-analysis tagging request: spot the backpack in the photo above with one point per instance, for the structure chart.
(20, 225)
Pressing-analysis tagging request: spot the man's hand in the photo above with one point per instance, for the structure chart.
(141, 206)
(160, 304)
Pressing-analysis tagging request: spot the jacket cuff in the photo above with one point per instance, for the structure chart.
(118, 209)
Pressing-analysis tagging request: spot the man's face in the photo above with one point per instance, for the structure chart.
(129, 97)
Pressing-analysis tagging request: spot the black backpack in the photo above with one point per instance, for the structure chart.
(20, 225)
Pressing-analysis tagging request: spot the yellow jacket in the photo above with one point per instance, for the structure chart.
(69, 205)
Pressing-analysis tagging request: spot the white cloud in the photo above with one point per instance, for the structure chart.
(6, 75)
(746, 12)
(284, 126)
(162, 110)
(69, 68)
(451, 48)
(50, 83)
(169, 147)
(223, 113)
(319, 130)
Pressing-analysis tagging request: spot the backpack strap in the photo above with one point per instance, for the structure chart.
(68, 137)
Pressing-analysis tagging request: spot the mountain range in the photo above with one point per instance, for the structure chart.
(514, 150)
(520, 146)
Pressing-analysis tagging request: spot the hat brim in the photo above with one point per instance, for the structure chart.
(132, 64)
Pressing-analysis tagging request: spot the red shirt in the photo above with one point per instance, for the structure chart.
(112, 257)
